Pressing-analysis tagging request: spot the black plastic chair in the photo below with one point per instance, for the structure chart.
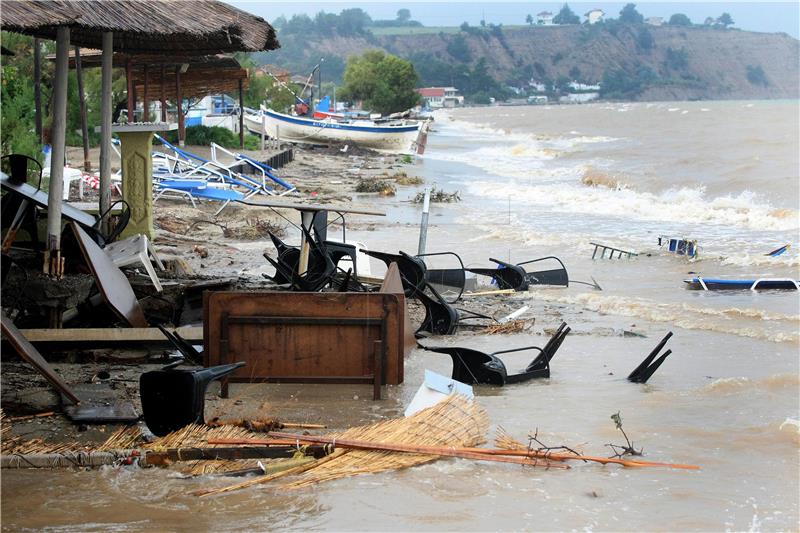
(647, 367)
(319, 272)
(440, 317)
(16, 211)
(508, 276)
(473, 366)
(172, 399)
(449, 282)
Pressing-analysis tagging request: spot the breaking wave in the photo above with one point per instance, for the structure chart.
(674, 205)
(681, 315)
(774, 382)
(594, 177)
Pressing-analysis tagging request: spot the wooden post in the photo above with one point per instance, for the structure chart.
(87, 165)
(37, 87)
(241, 113)
(131, 97)
(179, 102)
(145, 98)
(53, 264)
(163, 95)
(105, 127)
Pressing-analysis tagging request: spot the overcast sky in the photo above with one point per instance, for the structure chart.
(754, 16)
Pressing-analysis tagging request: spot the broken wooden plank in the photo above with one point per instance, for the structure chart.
(30, 354)
(190, 333)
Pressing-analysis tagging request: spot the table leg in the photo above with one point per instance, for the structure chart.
(307, 221)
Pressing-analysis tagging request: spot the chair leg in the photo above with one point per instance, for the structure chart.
(148, 266)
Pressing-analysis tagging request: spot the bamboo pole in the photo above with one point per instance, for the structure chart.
(444, 451)
(53, 264)
(291, 438)
(105, 128)
(87, 165)
(488, 293)
(265, 479)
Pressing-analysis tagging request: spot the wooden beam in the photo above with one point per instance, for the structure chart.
(84, 335)
(179, 101)
(129, 79)
(241, 114)
(37, 87)
(105, 127)
(146, 98)
(30, 354)
(87, 165)
(163, 97)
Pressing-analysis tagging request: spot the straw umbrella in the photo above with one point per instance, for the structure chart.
(150, 26)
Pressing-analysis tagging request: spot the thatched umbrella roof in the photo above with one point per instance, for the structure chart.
(199, 27)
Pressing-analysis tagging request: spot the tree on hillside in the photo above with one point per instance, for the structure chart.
(384, 82)
(725, 20)
(529, 19)
(403, 15)
(458, 48)
(566, 16)
(629, 15)
(679, 19)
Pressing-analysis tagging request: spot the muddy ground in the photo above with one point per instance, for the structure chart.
(199, 246)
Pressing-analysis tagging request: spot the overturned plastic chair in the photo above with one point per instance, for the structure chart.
(441, 318)
(472, 366)
(510, 276)
(133, 250)
(172, 399)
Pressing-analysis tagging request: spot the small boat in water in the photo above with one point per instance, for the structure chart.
(762, 284)
(402, 137)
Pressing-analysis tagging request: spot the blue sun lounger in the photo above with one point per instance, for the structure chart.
(196, 189)
(709, 284)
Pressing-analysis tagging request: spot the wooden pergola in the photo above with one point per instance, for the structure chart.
(172, 77)
(199, 28)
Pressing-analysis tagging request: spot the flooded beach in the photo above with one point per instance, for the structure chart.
(534, 182)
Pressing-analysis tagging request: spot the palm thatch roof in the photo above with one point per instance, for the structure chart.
(201, 27)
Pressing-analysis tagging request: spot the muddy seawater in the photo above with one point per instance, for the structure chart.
(534, 182)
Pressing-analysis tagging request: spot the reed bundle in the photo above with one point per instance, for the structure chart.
(512, 326)
(456, 421)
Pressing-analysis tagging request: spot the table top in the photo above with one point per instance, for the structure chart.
(311, 207)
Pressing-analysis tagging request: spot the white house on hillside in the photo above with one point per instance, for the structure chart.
(435, 97)
(654, 21)
(594, 16)
(545, 18)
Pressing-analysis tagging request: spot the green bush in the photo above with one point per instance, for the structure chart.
(205, 135)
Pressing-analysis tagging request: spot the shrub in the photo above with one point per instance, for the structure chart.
(756, 76)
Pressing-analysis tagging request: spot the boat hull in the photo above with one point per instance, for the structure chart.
(403, 139)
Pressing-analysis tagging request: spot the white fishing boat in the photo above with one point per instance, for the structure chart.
(402, 137)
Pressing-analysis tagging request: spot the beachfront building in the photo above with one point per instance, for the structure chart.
(545, 18)
(437, 97)
(654, 21)
(594, 16)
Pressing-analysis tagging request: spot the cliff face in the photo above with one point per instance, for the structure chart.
(687, 62)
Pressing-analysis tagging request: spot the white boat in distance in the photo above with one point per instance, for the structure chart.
(404, 137)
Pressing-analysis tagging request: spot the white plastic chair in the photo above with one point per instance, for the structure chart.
(136, 249)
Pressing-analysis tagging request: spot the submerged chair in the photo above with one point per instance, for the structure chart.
(648, 366)
(510, 276)
(172, 399)
(473, 366)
